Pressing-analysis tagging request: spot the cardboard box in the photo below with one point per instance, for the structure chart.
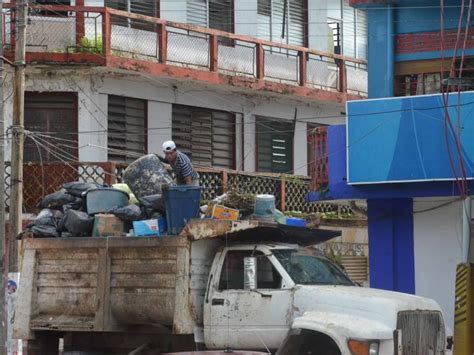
(107, 225)
(149, 227)
(225, 213)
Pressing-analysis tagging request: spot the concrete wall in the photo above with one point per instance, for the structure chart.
(94, 85)
(438, 249)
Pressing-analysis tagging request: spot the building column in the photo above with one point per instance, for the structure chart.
(391, 244)
(249, 127)
(159, 125)
(300, 149)
(381, 52)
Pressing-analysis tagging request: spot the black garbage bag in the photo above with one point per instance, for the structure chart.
(77, 188)
(152, 203)
(128, 213)
(77, 222)
(79, 204)
(48, 217)
(56, 200)
(70, 235)
(45, 231)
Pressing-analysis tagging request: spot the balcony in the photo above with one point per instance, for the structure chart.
(120, 40)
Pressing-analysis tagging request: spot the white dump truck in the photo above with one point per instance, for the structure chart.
(219, 285)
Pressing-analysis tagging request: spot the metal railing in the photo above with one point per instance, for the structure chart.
(67, 33)
(290, 191)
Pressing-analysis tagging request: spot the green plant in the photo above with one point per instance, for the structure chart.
(88, 45)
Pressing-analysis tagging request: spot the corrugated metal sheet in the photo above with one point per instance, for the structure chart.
(206, 136)
(126, 127)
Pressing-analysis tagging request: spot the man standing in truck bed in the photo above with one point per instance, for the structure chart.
(181, 165)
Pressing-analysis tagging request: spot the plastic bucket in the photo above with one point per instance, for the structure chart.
(181, 204)
(103, 200)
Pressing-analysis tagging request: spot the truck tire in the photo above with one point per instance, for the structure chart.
(315, 343)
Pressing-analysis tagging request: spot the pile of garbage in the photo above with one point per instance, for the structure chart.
(82, 209)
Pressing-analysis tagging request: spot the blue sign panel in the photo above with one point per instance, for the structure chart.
(408, 139)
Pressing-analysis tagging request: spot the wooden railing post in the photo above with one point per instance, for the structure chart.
(106, 33)
(224, 179)
(283, 193)
(80, 22)
(162, 44)
(260, 61)
(12, 25)
(342, 76)
(213, 53)
(109, 172)
(302, 56)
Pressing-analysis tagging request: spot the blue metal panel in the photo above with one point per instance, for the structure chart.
(403, 139)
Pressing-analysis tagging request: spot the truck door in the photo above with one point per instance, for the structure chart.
(246, 319)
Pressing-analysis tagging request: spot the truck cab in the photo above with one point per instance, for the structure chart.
(303, 303)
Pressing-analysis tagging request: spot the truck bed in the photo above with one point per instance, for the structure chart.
(109, 284)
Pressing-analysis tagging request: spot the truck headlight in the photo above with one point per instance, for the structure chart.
(363, 347)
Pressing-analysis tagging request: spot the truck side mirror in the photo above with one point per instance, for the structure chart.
(250, 273)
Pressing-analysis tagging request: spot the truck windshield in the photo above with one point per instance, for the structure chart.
(307, 269)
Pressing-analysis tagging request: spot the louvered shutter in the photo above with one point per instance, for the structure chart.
(223, 139)
(361, 34)
(54, 114)
(348, 30)
(296, 21)
(220, 15)
(206, 136)
(264, 14)
(143, 7)
(278, 27)
(274, 145)
(197, 12)
(126, 128)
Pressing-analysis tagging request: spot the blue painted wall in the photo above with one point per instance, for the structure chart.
(391, 256)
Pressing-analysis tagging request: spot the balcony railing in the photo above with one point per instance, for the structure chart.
(130, 41)
(42, 179)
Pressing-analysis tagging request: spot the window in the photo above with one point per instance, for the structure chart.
(274, 145)
(232, 274)
(282, 21)
(348, 29)
(51, 13)
(126, 128)
(54, 114)
(206, 136)
(142, 7)
(216, 14)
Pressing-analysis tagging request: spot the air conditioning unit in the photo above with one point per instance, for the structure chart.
(464, 310)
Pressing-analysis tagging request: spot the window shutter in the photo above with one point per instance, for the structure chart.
(264, 14)
(197, 13)
(126, 128)
(277, 28)
(275, 145)
(223, 139)
(361, 34)
(221, 15)
(55, 114)
(296, 22)
(143, 7)
(348, 30)
(206, 136)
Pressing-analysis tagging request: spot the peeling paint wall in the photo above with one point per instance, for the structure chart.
(93, 85)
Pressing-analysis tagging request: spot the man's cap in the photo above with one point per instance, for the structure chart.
(168, 146)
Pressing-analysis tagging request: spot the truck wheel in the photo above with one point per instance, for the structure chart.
(318, 344)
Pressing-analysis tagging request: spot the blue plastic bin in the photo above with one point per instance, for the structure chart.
(181, 204)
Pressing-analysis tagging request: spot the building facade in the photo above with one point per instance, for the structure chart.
(407, 150)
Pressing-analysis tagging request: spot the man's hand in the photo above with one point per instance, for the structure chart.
(188, 180)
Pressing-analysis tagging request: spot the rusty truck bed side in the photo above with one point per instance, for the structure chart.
(104, 284)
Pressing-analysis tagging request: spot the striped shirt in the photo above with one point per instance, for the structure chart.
(183, 168)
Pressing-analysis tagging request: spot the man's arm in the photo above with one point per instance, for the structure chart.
(188, 180)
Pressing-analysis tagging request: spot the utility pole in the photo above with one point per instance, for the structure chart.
(16, 204)
(3, 246)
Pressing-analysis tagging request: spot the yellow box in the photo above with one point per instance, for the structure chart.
(222, 212)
